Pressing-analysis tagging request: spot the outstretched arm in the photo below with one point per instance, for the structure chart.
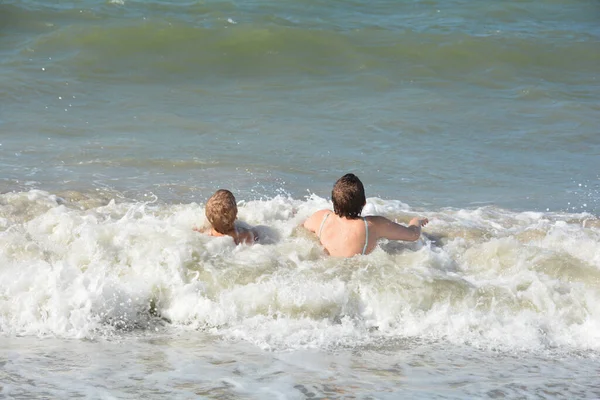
(384, 228)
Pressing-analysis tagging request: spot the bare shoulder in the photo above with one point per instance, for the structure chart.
(313, 222)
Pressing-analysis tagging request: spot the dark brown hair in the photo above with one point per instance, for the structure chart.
(221, 211)
(348, 196)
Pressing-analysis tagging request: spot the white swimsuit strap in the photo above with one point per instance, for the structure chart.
(366, 236)
(322, 223)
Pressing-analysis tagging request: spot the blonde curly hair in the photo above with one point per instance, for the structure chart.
(221, 211)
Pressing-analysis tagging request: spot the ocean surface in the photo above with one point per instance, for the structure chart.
(119, 118)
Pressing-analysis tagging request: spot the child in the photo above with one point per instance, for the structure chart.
(221, 211)
(344, 233)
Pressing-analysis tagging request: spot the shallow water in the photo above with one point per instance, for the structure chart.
(488, 303)
(197, 366)
(119, 119)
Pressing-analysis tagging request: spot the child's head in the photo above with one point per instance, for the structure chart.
(221, 211)
(348, 196)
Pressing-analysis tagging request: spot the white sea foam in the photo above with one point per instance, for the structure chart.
(486, 277)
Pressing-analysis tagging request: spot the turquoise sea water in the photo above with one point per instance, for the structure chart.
(118, 119)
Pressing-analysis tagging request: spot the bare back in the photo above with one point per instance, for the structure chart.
(344, 237)
(341, 237)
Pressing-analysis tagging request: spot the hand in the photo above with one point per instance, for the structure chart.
(418, 222)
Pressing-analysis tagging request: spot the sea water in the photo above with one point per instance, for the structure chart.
(118, 119)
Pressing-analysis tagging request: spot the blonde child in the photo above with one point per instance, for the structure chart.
(221, 211)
